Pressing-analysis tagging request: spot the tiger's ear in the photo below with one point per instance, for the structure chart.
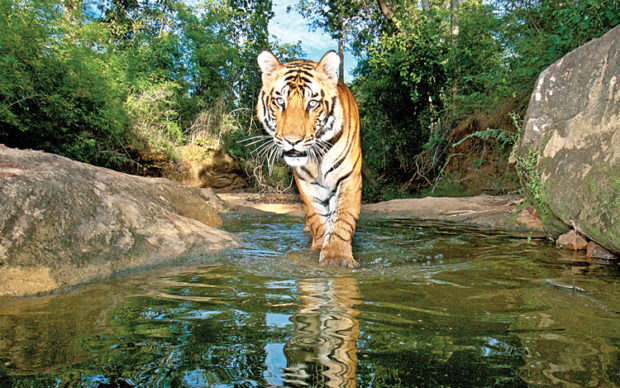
(329, 65)
(268, 64)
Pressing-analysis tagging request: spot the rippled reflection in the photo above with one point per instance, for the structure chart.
(323, 349)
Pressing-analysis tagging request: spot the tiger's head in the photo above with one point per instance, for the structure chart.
(298, 105)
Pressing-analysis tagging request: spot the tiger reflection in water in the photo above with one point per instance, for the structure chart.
(323, 349)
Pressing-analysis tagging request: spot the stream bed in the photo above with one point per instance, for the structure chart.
(432, 304)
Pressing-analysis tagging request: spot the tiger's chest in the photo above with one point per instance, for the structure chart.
(319, 183)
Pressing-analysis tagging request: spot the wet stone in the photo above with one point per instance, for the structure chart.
(572, 240)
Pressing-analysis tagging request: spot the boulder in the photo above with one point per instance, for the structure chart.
(569, 149)
(572, 240)
(63, 222)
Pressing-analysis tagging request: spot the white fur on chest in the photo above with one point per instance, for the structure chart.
(320, 186)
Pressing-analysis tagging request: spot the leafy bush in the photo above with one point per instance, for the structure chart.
(538, 33)
(154, 117)
(398, 92)
(54, 95)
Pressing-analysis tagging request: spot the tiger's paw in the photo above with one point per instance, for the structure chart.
(317, 245)
(345, 261)
(337, 254)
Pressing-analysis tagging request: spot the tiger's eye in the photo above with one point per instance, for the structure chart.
(313, 103)
(280, 101)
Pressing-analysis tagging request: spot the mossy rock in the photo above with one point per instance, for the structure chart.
(573, 126)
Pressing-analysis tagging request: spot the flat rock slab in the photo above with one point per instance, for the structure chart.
(63, 222)
(494, 212)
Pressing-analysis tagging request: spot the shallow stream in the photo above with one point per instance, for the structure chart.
(432, 304)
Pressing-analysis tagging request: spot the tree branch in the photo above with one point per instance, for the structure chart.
(385, 10)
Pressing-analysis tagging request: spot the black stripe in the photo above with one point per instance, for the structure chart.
(351, 215)
(335, 166)
(325, 203)
(266, 106)
(341, 158)
(347, 223)
(315, 214)
(302, 71)
(305, 170)
(341, 238)
(331, 110)
(335, 139)
(347, 174)
(329, 114)
(304, 79)
(301, 64)
(347, 147)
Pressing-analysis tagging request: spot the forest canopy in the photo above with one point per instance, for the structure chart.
(441, 85)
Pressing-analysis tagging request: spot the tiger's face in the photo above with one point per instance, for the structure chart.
(298, 106)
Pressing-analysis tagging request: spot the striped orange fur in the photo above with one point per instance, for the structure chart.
(313, 119)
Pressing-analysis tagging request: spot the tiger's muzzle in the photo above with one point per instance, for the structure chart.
(294, 150)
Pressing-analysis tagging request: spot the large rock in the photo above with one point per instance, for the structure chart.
(64, 222)
(569, 150)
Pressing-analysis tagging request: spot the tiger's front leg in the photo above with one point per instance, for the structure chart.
(314, 211)
(340, 225)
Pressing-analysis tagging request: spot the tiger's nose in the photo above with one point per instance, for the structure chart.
(293, 140)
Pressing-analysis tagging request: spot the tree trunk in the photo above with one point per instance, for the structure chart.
(425, 6)
(454, 20)
(454, 33)
(341, 46)
(385, 10)
(341, 54)
(69, 11)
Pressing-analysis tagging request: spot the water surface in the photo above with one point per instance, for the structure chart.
(432, 304)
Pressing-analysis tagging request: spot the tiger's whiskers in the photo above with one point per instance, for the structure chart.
(266, 150)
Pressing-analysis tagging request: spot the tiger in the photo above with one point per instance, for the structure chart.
(313, 120)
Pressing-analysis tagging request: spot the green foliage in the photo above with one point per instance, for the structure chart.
(349, 20)
(398, 90)
(530, 181)
(536, 34)
(57, 94)
(154, 116)
(419, 79)
(503, 137)
(100, 81)
(474, 64)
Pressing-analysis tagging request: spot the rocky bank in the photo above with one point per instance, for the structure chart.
(506, 213)
(63, 222)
